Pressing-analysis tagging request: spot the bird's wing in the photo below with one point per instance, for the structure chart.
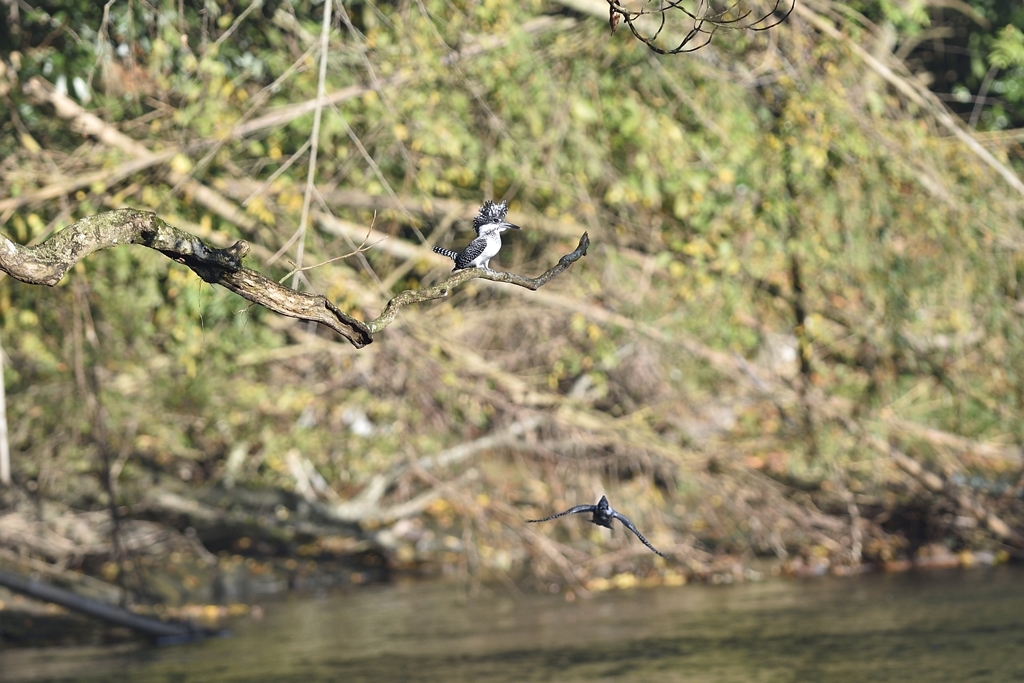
(470, 253)
(629, 525)
(571, 511)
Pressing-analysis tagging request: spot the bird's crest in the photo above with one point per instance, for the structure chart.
(490, 213)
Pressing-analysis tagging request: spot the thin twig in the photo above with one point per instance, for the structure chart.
(979, 102)
(314, 140)
(256, 4)
(363, 246)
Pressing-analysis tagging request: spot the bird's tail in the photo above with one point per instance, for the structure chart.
(446, 252)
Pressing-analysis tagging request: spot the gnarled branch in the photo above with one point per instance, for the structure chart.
(47, 263)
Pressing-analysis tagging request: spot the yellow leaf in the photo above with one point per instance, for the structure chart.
(181, 164)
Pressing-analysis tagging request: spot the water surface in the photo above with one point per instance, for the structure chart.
(936, 626)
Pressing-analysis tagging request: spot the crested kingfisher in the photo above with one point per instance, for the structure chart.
(488, 224)
(603, 516)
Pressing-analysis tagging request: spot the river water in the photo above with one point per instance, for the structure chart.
(935, 626)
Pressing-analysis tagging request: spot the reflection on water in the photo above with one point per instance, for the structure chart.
(955, 626)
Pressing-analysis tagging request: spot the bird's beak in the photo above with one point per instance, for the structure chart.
(510, 225)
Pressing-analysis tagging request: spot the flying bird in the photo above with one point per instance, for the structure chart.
(489, 224)
(603, 516)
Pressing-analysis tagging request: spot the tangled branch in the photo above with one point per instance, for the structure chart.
(648, 22)
(47, 263)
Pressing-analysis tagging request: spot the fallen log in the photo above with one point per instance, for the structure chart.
(162, 632)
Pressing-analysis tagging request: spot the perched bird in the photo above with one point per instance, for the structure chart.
(489, 224)
(603, 516)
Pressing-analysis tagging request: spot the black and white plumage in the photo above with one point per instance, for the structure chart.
(489, 224)
(603, 516)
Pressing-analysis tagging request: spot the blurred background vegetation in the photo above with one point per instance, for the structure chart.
(802, 285)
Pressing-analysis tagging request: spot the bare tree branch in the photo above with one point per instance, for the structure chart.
(648, 19)
(444, 288)
(47, 263)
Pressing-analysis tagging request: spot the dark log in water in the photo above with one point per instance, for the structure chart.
(163, 632)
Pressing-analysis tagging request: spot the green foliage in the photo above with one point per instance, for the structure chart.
(1008, 49)
(962, 43)
(704, 190)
